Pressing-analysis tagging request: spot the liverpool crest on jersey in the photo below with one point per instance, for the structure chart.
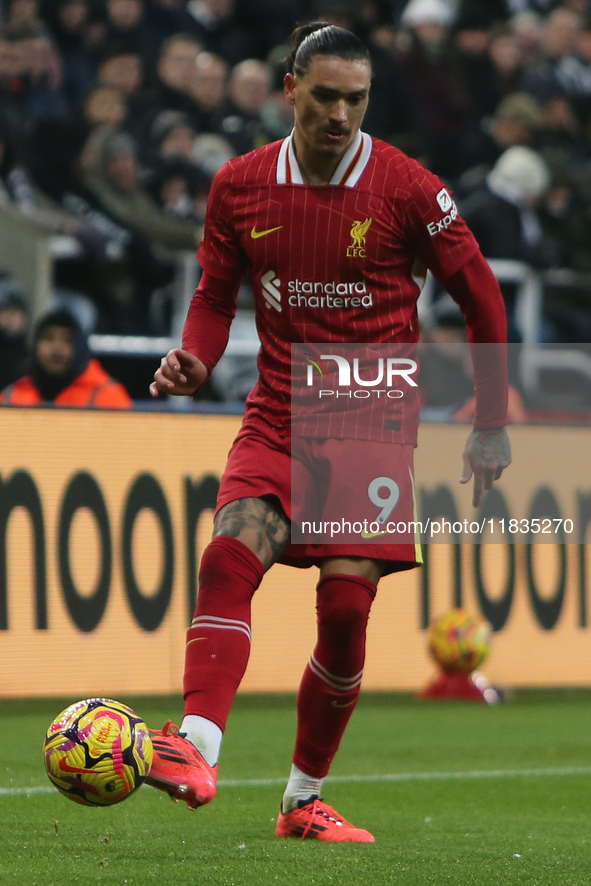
(358, 235)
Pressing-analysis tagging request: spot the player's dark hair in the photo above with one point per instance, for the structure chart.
(320, 38)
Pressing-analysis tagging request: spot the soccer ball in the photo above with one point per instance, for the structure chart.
(98, 752)
(459, 641)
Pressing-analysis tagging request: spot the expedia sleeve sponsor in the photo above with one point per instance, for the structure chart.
(432, 225)
(447, 205)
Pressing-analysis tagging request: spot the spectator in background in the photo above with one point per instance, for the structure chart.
(560, 129)
(111, 173)
(175, 70)
(502, 212)
(389, 114)
(18, 193)
(267, 22)
(44, 73)
(68, 21)
(127, 27)
(30, 76)
(515, 122)
(14, 111)
(172, 135)
(166, 17)
(241, 121)
(446, 378)
(180, 189)
(53, 170)
(502, 215)
(176, 181)
(508, 55)
(565, 217)
(561, 141)
(210, 152)
(121, 275)
(62, 372)
(558, 46)
(482, 13)
(437, 95)
(213, 24)
(473, 40)
(105, 105)
(22, 12)
(96, 30)
(122, 69)
(13, 332)
(209, 89)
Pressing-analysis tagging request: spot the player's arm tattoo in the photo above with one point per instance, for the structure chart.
(259, 523)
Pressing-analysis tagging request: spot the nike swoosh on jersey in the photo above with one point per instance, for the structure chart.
(256, 234)
(373, 534)
(335, 704)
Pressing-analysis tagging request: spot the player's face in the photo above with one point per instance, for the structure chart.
(329, 101)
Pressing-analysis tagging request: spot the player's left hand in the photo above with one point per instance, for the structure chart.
(486, 454)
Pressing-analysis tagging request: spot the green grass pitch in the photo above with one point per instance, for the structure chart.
(454, 793)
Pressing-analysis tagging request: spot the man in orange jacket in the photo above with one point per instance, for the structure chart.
(62, 371)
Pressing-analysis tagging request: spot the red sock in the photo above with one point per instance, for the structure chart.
(218, 641)
(330, 686)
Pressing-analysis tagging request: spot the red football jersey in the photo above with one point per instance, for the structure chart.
(330, 263)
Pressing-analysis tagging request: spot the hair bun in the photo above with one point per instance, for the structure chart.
(322, 38)
(300, 34)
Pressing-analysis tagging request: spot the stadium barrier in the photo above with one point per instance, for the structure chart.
(103, 517)
(29, 253)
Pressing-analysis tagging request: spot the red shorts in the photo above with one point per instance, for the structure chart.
(327, 485)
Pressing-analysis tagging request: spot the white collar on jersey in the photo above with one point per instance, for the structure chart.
(347, 173)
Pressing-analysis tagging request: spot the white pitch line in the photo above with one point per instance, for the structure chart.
(471, 774)
(421, 776)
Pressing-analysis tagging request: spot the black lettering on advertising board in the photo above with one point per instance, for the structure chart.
(200, 495)
(83, 491)
(547, 610)
(20, 491)
(147, 493)
(495, 611)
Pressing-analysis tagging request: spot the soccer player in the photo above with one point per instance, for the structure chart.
(327, 205)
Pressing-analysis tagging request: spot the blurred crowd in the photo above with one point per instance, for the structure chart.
(116, 114)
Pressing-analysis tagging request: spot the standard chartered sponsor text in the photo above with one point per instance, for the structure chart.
(314, 294)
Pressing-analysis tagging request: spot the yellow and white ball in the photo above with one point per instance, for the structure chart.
(97, 752)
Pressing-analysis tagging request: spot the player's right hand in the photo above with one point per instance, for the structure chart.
(180, 373)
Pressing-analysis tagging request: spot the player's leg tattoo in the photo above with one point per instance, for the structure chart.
(259, 523)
